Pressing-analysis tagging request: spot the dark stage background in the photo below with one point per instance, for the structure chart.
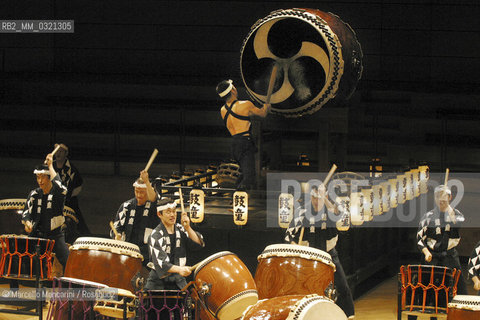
(138, 75)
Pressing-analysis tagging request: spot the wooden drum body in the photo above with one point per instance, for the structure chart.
(286, 269)
(463, 307)
(318, 59)
(295, 307)
(112, 262)
(225, 285)
(18, 257)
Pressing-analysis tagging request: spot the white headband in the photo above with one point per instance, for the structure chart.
(139, 185)
(172, 205)
(43, 171)
(226, 91)
(442, 188)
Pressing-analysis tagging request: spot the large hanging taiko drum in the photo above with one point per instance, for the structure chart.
(317, 55)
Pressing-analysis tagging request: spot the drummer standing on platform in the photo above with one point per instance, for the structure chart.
(439, 234)
(43, 213)
(243, 148)
(137, 217)
(321, 233)
(167, 246)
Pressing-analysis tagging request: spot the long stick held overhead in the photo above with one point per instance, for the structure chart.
(330, 174)
(152, 157)
(54, 151)
(446, 177)
(271, 83)
(181, 201)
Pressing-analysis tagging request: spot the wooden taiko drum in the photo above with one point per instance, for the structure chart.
(286, 269)
(317, 55)
(18, 257)
(463, 307)
(231, 288)
(295, 307)
(112, 262)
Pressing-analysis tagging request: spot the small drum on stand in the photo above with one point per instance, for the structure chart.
(225, 286)
(123, 307)
(18, 253)
(295, 307)
(463, 307)
(164, 304)
(73, 299)
(286, 269)
(228, 175)
(317, 56)
(11, 215)
(427, 288)
(112, 262)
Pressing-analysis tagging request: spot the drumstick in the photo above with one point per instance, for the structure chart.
(152, 157)
(271, 83)
(330, 174)
(113, 229)
(195, 266)
(301, 236)
(181, 203)
(53, 152)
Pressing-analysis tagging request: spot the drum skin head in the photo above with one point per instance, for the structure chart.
(317, 55)
(295, 307)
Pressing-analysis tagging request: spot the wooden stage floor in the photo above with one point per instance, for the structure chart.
(379, 303)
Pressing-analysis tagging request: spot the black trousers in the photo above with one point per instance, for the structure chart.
(243, 151)
(345, 298)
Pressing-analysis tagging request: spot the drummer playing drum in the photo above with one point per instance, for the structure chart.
(167, 248)
(322, 234)
(43, 212)
(137, 217)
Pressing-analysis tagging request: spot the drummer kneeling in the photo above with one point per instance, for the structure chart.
(167, 248)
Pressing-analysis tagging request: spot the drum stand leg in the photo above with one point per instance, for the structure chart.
(39, 305)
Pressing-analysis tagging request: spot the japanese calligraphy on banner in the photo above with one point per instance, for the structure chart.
(197, 205)
(240, 208)
(285, 209)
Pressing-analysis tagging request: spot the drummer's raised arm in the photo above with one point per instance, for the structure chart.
(151, 194)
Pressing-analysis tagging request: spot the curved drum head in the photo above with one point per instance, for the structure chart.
(295, 307)
(317, 54)
(464, 307)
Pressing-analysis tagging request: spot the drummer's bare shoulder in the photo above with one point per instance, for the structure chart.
(247, 107)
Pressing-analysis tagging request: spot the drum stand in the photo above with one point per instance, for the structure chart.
(28, 304)
(413, 315)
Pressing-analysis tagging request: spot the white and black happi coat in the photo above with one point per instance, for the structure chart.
(71, 179)
(320, 231)
(161, 248)
(45, 211)
(438, 233)
(474, 262)
(136, 223)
